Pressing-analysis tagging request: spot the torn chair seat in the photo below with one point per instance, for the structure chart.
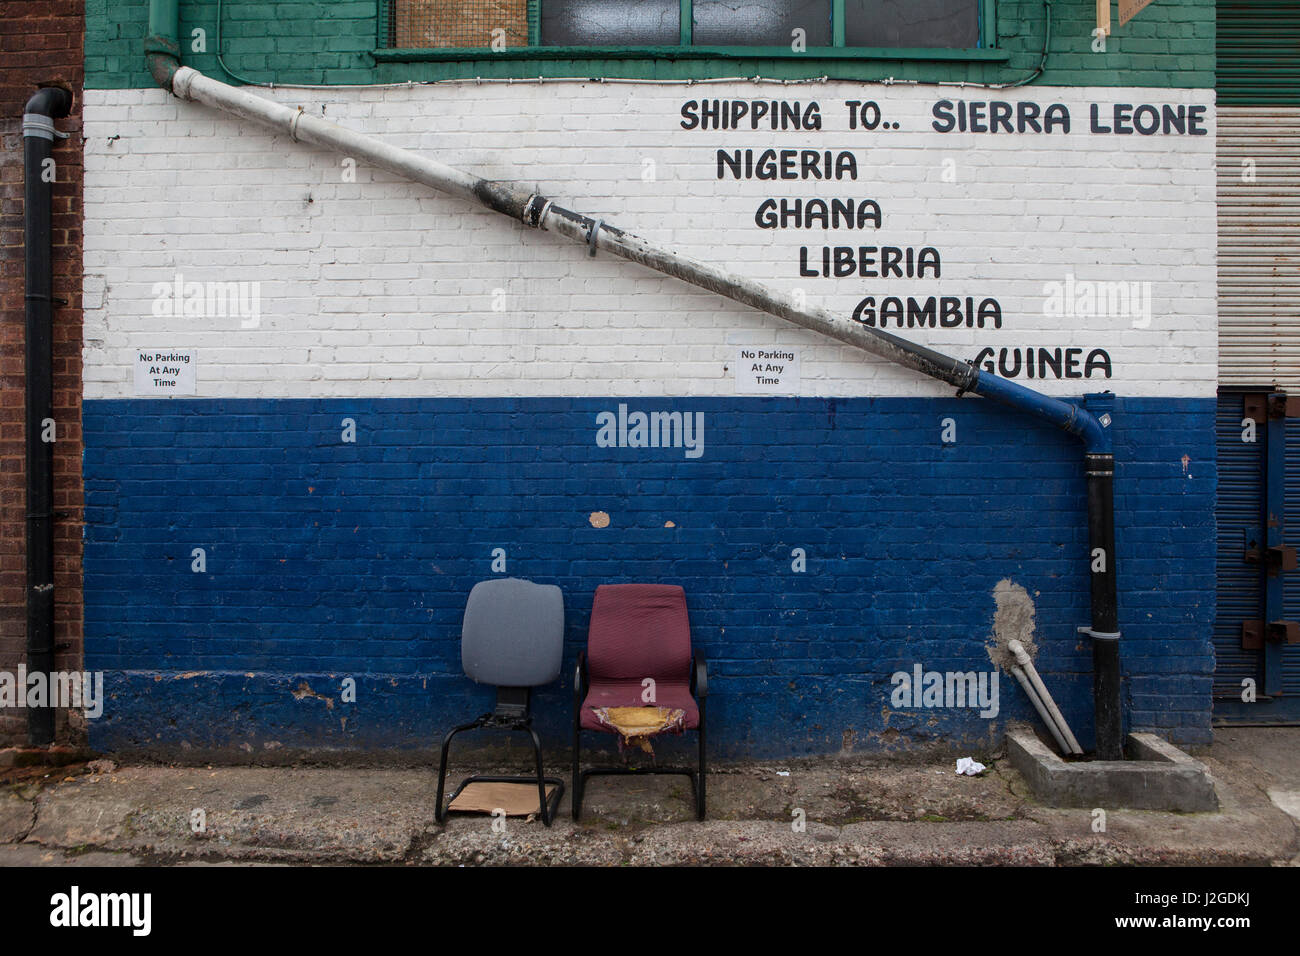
(639, 643)
(637, 726)
(627, 693)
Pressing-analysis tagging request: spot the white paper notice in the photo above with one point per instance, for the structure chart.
(771, 370)
(166, 372)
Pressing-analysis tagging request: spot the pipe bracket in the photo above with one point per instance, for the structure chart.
(1101, 635)
(1099, 465)
(40, 125)
(963, 389)
(591, 235)
(535, 215)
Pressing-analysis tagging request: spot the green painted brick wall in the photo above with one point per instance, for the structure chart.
(1169, 44)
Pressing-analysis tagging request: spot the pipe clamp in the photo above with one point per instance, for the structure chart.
(1101, 635)
(591, 235)
(537, 219)
(38, 124)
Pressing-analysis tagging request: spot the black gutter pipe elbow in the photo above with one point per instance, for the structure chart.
(52, 101)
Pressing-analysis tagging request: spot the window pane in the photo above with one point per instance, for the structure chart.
(761, 22)
(912, 23)
(457, 23)
(611, 22)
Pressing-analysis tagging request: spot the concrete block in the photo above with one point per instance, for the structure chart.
(1158, 776)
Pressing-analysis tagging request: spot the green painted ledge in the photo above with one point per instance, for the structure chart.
(387, 55)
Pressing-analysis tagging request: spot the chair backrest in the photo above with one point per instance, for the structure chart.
(513, 633)
(639, 631)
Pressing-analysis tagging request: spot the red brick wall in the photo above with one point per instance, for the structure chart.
(40, 43)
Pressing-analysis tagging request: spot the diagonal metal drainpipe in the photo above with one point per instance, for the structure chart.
(539, 212)
(44, 107)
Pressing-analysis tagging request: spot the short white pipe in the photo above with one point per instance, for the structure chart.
(1027, 663)
(1042, 711)
(190, 84)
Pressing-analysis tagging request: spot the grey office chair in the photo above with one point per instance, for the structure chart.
(512, 637)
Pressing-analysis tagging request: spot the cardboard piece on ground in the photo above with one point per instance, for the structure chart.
(516, 799)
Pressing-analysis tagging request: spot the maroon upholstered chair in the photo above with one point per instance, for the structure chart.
(639, 631)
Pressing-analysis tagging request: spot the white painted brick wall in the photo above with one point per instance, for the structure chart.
(382, 287)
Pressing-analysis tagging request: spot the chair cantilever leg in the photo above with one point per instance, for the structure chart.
(699, 796)
(697, 776)
(438, 813)
(575, 798)
(543, 803)
(546, 811)
(579, 692)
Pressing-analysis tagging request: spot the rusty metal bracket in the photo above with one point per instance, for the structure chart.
(1255, 633)
(1277, 559)
(1282, 405)
(1275, 405)
(1255, 407)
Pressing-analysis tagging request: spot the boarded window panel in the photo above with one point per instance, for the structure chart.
(443, 24)
(611, 23)
(761, 22)
(942, 24)
(1258, 52)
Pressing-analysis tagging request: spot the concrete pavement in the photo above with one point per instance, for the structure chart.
(854, 809)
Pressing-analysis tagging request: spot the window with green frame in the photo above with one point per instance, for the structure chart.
(768, 27)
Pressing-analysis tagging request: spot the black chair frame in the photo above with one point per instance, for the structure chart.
(512, 713)
(697, 775)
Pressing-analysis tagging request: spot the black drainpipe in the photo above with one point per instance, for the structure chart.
(1105, 607)
(42, 109)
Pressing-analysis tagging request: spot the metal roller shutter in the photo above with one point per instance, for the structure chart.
(1258, 96)
(1290, 663)
(1240, 517)
(1257, 618)
(1258, 91)
(1259, 246)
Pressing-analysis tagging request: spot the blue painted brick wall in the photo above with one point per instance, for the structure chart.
(328, 560)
